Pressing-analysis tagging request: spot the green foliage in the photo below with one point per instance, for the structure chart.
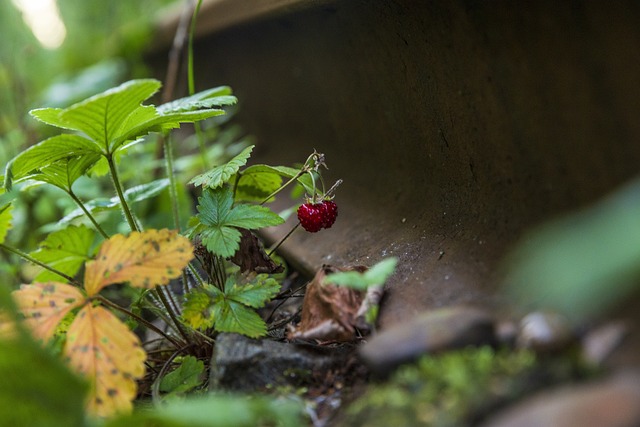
(446, 390)
(218, 220)
(257, 182)
(5, 221)
(219, 175)
(187, 376)
(65, 250)
(583, 263)
(218, 411)
(108, 120)
(374, 276)
(231, 309)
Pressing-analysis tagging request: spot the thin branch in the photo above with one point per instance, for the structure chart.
(40, 263)
(123, 203)
(88, 214)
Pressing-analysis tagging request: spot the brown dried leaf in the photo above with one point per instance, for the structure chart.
(329, 312)
(45, 304)
(251, 256)
(144, 259)
(104, 350)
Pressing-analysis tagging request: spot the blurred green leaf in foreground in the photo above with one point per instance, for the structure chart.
(583, 263)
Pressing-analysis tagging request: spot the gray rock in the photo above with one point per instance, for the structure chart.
(611, 403)
(244, 364)
(432, 331)
(544, 331)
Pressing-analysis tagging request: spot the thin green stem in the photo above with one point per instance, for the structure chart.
(196, 275)
(283, 186)
(192, 31)
(173, 192)
(139, 319)
(40, 263)
(165, 302)
(88, 214)
(123, 203)
(192, 85)
(275, 248)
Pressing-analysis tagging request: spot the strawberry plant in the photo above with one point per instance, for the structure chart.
(198, 282)
(95, 342)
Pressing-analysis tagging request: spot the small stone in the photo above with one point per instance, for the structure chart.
(544, 331)
(600, 342)
(433, 331)
(244, 364)
(612, 403)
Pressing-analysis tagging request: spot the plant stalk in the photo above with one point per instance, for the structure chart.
(123, 203)
(29, 258)
(283, 186)
(192, 85)
(88, 214)
(167, 305)
(275, 248)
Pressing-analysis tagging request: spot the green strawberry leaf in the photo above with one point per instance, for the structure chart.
(102, 116)
(147, 120)
(65, 172)
(46, 153)
(195, 310)
(50, 116)
(214, 97)
(374, 276)
(254, 294)
(187, 376)
(257, 182)
(5, 221)
(116, 116)
(219, 175)
(65, 250)
(219, 218)
(232, 316)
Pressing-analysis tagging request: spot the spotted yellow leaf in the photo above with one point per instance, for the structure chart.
(144, 259)
(45, 304)
(104, 350)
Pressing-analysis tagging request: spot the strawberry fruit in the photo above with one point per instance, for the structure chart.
(311, 217)
(315, 216)
(329, 213)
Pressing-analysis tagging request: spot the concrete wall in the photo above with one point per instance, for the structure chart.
(455, 124)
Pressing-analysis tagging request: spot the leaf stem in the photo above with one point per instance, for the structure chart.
(40, 263)
(123, 203)
(191, 82)
(283, 186)
(192, 31)
(165, 302)
(88, 214)
(196, 275)
(283, 239)
(139, 319)
(173, 193)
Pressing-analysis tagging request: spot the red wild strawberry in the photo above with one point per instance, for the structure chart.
(329, 211)
(311, 217)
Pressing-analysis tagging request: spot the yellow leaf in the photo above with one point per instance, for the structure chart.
(104, 350)
(146, 260)
(45, 304)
